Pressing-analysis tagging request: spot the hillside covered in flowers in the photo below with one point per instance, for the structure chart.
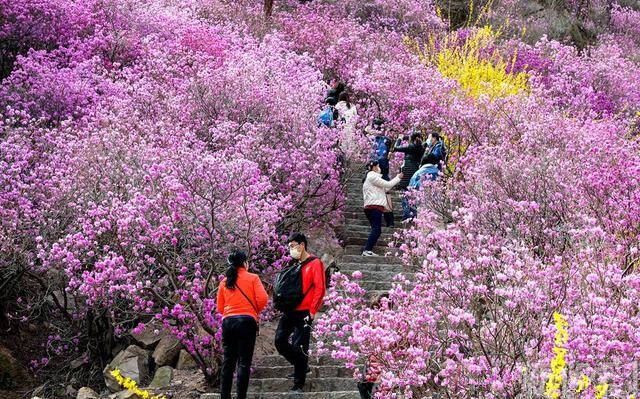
(142, 140)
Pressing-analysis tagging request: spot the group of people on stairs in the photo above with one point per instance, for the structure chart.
(421, 161)
(299, 290)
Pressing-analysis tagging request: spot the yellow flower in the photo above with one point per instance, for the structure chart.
(601, 389)
(552, 387)
(583, 383)
(131, 386)
(477, 74)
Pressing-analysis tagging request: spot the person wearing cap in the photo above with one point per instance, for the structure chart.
(374, 192)
(241, 298)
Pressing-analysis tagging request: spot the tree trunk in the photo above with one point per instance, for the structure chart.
(268, 8)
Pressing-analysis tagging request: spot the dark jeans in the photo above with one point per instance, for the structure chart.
(292, 324)
(238, 341)
(366, 390)
(375, 219)
(383, 163)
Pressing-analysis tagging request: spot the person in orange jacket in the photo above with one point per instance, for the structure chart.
(297, 323)
(241, 298)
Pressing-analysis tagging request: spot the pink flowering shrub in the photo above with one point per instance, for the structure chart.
(538, 219)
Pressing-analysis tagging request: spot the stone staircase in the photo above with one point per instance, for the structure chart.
(329, 379)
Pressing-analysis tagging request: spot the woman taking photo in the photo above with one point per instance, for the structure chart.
(374, 191)
(241, 298)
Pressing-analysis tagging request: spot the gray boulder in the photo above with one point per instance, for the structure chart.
(132, 362)
(87, 393)
(167, 351)
(185, 361)
(162, 378)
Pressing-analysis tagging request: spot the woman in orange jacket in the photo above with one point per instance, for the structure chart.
(241, 298)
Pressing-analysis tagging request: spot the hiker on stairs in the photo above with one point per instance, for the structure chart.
(374, 191)
(298, 293)
(241, 298)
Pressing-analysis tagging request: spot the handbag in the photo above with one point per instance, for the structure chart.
(389, 205)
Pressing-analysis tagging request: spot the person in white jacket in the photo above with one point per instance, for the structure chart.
(374, 191)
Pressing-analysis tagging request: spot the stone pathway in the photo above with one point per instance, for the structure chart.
(329, 379)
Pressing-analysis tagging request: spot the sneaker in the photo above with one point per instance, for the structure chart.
(296, 389)
(406, 221)
(293, 374)
(369, 253)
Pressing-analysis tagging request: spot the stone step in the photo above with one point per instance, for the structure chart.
(358, 200)
(376, 275)
(387, 233)
(337, 371)
(358, 259)
(355, 249)
(277, 360)
(362, 240)
(359, 228)
(358, 213)
(357, 223)
(288, 395)
(348, 268)
(312, 384)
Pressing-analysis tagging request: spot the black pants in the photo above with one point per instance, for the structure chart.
(366, 390)
(375, 220)
(293, 325)
(238, 341)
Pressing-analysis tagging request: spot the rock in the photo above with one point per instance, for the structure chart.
(70, 391)
(162, 378)
(12, 375)
(150, 335)
(132, 362)
(87, 393)
(167, 351)
(127, 395)
(185, 361)
(77, 363)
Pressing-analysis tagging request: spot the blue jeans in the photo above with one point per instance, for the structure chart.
(375, 220)
(408, 211)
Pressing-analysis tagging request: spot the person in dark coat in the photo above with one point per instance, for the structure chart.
(412, 156)
(334, 92)
(435, 146)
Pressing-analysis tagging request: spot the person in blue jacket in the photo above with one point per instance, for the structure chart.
(428, 171)
(435, 145)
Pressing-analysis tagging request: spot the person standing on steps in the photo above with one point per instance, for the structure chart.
(412, 156)
(380, 153)
(298, 292)
(241, 298)
(374, 192)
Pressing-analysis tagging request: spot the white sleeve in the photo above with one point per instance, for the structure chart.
(380, 182)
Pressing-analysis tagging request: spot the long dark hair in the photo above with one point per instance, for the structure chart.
(345, 97)
(235, 260)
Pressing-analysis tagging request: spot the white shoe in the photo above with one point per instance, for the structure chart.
(369, 253)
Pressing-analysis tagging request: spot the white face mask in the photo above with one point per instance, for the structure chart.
(295, 253)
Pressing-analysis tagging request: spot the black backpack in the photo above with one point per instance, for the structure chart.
(287, 290)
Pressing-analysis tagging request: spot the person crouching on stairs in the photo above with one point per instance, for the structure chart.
(241, 298)
(374, 192)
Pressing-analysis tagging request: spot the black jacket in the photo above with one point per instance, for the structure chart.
(412, 156)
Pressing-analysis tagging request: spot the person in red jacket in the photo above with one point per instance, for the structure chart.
(297, 323)
(241, 298)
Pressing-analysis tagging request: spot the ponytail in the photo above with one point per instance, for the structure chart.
(235, 260)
